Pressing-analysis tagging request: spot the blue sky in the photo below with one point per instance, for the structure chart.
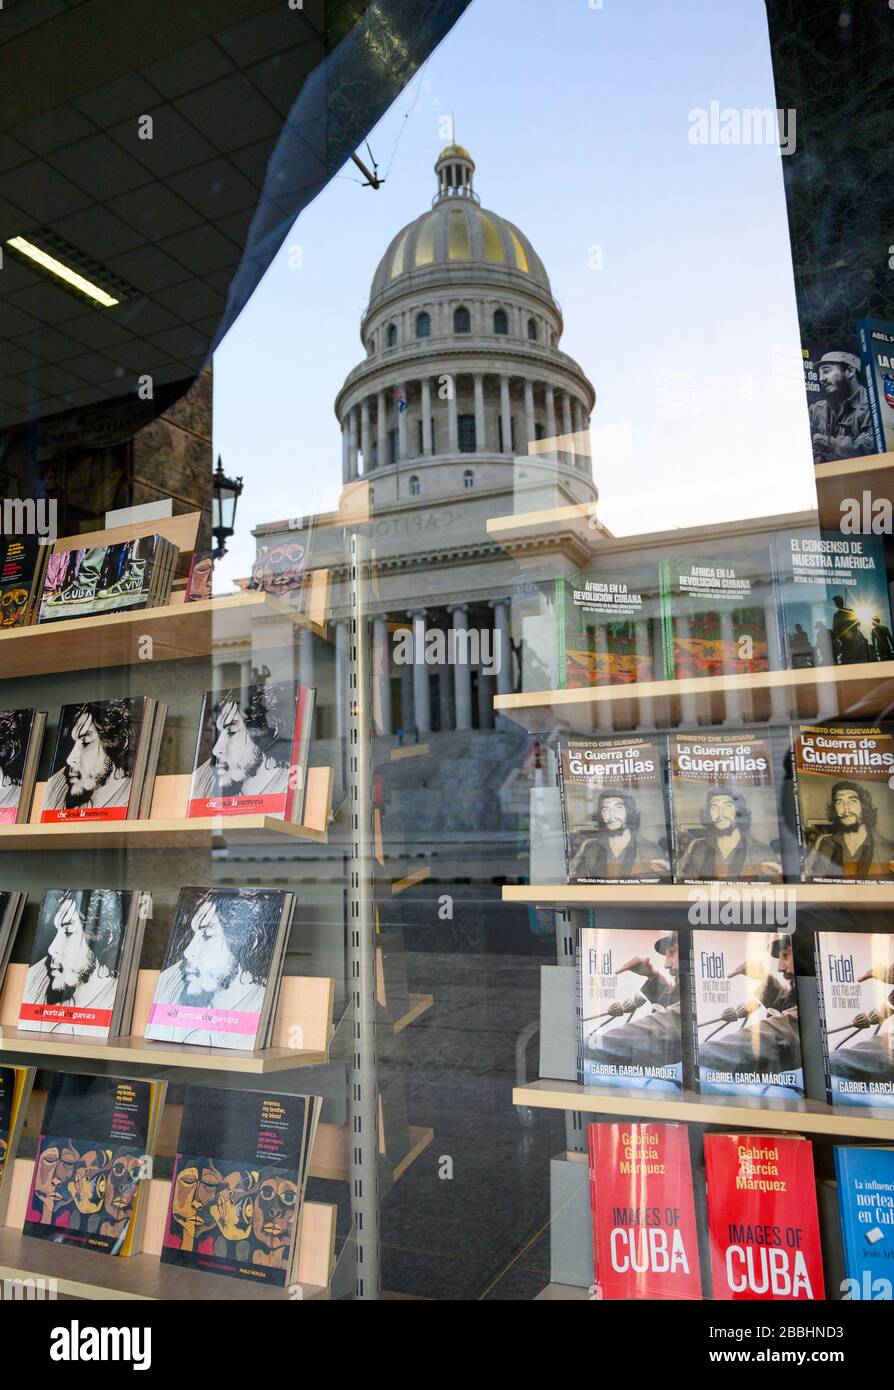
(578, 119)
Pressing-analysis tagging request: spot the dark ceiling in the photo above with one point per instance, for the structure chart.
(240, 141)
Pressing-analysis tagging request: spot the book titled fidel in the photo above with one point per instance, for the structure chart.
(855, 980)
(238, 1183)
(86, 1187)
(723, 807)
(762, 1219)
(844, 801)
(628, 1008)
(645, 1242)
(613, 810)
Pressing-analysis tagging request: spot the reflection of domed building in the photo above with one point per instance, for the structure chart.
(462, 383)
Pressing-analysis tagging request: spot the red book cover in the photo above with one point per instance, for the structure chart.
(644, 1233)
(762, 1216)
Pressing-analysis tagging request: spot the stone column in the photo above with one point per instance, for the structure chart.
(551, 414)
(345, 451)
(381, 430)
(480, 427)
(426, 415)
(485, 700)
(452, 423)
(530, 430)
(382, 672)
(365, 434)
(353, 445)
(462, 674)
(402, 425)
(502, 646)
(567, 426)
(421, 687)
(306, 658)
(506, 415)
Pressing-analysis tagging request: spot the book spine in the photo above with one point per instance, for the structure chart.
(560, 778)
(695, 1078)
(667, 619)
(579, 1008)
(823, 1021)
(593, 1163)
(870, 378)
(561, 634)
(796, 796)
(672, 810)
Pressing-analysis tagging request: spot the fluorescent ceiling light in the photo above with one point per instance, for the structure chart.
(56, 267)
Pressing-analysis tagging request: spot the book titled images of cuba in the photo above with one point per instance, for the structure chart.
(80, 962)
(238, 1182)
(251, 755)
(91, 1157)
(844, 802)
(645, 1240)
(866, 1209)
(221, 967)
(629, 1030)
(746, 1039)
(855, 978)
(92, 772)
(613, 810)
(714, 615)
(832, 599)
(607, 626)
(762, 1218)
(723, 807)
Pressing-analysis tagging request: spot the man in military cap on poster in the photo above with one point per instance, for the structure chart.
(773, 1044)
(656, 1039)
(840, 421)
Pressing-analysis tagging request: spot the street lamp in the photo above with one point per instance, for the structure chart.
(226, 493)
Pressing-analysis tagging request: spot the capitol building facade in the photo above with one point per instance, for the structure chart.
(461, 406)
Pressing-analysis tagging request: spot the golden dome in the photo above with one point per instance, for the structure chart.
(454, 152)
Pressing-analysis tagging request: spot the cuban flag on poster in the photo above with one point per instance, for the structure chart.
(400, 399)
(889, 390)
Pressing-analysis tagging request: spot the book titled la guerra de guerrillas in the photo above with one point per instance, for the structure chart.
(844, 801)
(251, 754)
(613, 810)
(762, 1218)
(723, 807)
(238, 1184)
(645, 1243)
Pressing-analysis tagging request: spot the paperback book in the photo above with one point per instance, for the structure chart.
(744, 1016)
(21, 738)
(855, 980)
(96, 1146)
(239, 1179)
(201, 576)
(762, 1217)
(877, 356)
(628, 1009)
(84, 960)
(645, 1240)
(832, 599)
(15, 1090)
(85, 581)
(613, 810)
(865, 1180)
(608, 627)
(104, 760)
(279, 570)
(838, 404)
(724, 823)
(221, 968)
(844, 802)
(23, 562)
(251, 754)
(715, 615)
(11, 907)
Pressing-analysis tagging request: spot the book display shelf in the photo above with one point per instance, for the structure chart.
(572, 711)
(335, 989)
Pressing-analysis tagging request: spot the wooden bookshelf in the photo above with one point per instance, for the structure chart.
(178, 631)
(419, 1005)
(860, 896)
(865, 690)
(873, 473)
(732, 1112)
(400, 885)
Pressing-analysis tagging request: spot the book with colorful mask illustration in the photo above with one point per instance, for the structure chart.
(15, 1089)
(239, 1180)
(94, 1154)
(23, 563)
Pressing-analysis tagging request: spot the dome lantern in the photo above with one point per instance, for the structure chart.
(454, 168)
